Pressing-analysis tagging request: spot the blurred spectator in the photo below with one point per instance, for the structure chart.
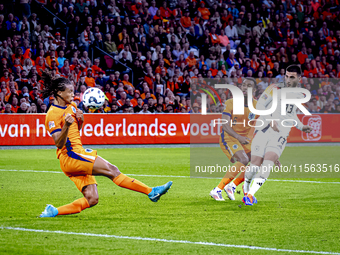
(23, 108)
(145, 109)
(86, 39)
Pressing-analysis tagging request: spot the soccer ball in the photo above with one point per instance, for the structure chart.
(93, 98)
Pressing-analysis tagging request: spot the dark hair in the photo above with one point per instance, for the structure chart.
(53, 84)
(251, 79)
(294, 69)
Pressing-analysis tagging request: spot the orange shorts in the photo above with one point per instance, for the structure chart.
(231, 145)
(78, 166)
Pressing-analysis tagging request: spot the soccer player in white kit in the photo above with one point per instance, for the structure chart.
(270, 139)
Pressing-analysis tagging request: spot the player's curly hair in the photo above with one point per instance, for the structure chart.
(53, 84)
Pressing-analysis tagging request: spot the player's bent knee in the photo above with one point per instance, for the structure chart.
(91, 195)
(92, 200)
(114, 171)
(272, 155)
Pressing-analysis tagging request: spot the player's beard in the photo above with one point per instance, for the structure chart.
(293, 84)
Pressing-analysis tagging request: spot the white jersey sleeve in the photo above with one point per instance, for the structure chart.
(299, 123)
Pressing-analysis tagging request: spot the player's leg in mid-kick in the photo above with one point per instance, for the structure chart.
(255, 163)
(267, 165)
(239, 175)
(249, 174)
(78, 166)
(232, 149)
(258, 147)
(102, 167)
(86, 183)
(90, 199)
(273, 151)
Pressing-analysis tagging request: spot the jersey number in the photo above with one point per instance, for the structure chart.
(283, 140)
(289, 108)
(234, 121)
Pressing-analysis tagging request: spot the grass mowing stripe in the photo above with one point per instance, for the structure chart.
(56, 172)
(171, 176)
(168, 241)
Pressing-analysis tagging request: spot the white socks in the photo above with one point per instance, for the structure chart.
(262, 176)
(248, 176)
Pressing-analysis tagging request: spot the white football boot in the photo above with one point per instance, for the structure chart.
(216, 194)
(230, 190)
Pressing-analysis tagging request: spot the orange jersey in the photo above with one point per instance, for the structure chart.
(4, 79)
(133, 101)
(240, 128)
(127, 83)
(159, 69)
(191, 61)
(205, 12)
(165, 12)
(55, 120)
(90, 82)
(186, 22)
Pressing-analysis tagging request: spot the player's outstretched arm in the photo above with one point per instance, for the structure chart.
(307, 129)
(300, 126)
(60, 137)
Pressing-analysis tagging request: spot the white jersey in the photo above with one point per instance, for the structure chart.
(285, 122)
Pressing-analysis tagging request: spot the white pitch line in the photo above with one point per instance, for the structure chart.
(29, 171)
(167, 176)
(168, 241)
(276, 180)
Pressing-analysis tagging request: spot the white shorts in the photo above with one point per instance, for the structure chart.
(266, 140)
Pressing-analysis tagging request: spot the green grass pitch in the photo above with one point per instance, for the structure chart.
(291, 216)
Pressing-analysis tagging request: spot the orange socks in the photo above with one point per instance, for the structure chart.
(224, 182)
(75, 207)
(129, 183)
(121, 180)
(236, 168)
(239, 179)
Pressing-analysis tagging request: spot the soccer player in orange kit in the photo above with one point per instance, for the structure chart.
(235, 143)
(63, 121)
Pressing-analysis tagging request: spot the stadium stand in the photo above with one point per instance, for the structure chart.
(149, 52)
